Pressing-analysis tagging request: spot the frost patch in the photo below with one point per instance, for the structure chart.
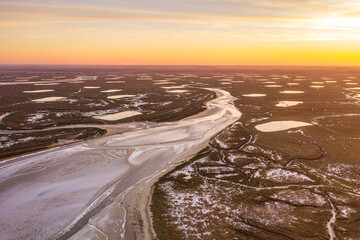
(286, 176)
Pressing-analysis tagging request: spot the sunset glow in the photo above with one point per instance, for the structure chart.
(180, 32)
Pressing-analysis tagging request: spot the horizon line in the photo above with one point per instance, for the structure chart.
(180, 65)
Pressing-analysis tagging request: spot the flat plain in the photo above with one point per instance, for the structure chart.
(283, 165)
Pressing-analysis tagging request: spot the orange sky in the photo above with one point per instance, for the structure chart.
(186, 32)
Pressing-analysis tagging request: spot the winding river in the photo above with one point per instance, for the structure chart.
(78, 190)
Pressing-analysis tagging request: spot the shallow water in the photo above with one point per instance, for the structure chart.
(273, 86)
(111, 90)
(177, 91)
(115, 81)
(91, 87)
(254, 95)
(291, 92)
(82, 175)
(280, 126)
(117, 116)
(39, 91)
(288, 103)
(48, 99)
(173, 87)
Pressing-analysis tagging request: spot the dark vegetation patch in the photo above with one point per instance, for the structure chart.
(249, 184)
(20, 143)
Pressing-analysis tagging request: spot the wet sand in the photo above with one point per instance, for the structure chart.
(72, 181)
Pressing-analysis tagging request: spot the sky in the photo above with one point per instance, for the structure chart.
(184, 32)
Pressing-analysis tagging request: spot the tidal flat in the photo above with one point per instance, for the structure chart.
(207, 161)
